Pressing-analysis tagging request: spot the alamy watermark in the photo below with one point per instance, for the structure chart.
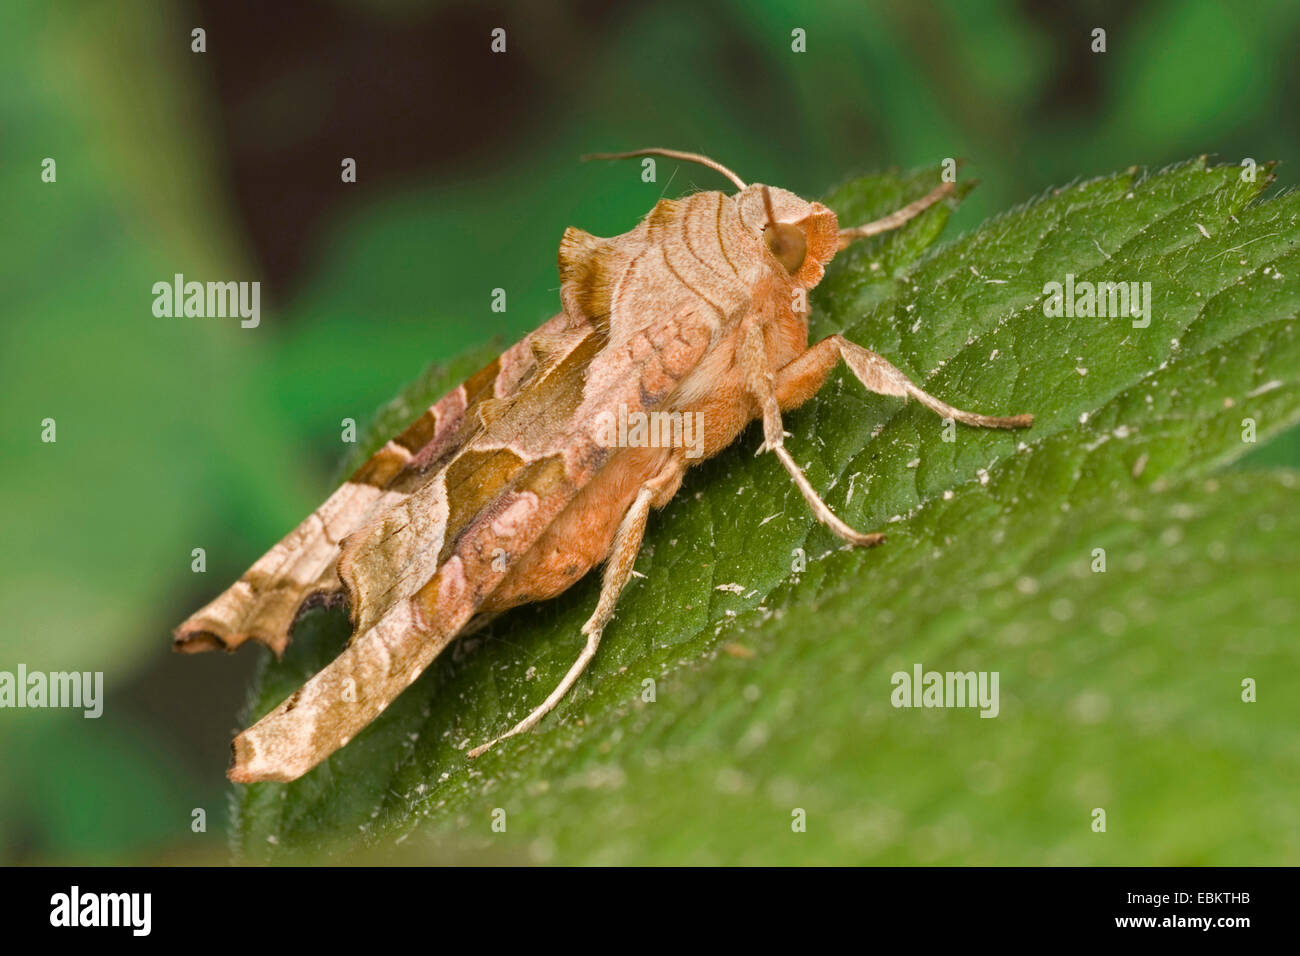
(1101, 300)
(655, 429)
(81, 689)
(208, 300)
(75, 909)
(922, 688)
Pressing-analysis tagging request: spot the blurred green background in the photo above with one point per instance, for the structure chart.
(175, 434)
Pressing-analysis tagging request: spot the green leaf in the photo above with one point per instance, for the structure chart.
(1119, 689)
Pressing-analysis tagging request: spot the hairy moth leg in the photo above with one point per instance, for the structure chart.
(618, 571)
(897, 217)
(762, 385)
(802, 378)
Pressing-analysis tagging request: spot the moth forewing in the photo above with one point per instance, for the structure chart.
(504, 492)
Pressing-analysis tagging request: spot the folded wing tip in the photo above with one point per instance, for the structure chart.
(188, 639)
(197, 637)
(248, 766)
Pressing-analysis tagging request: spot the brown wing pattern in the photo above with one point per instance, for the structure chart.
(423, 534)
(424, 566)
(302, 569)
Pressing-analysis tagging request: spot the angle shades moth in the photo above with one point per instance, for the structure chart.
(503, 491)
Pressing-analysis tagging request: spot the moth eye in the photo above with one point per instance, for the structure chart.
(787, 243)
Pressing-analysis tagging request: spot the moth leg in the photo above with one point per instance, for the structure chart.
(801, 379)
(897, 217)
(762, 385)
(618, 570)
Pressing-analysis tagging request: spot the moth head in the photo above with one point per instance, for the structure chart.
(787, 242)
(800, 236)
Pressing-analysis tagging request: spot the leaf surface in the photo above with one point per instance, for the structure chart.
(746, 681)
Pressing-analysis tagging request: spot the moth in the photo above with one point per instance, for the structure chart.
(508, 491)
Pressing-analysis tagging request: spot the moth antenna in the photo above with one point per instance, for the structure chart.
(673, 154)
(767, 204)
(897, 217)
